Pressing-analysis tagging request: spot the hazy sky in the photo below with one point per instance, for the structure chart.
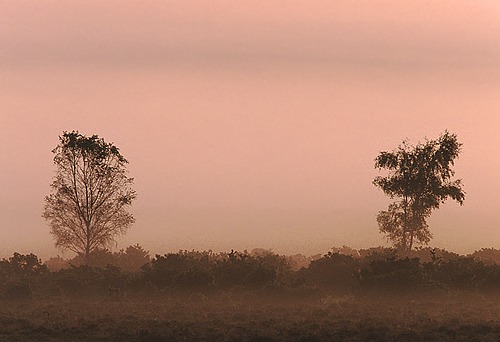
(250, 124)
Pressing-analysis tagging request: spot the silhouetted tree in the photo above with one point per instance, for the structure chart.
(90, 194)
(420, 179)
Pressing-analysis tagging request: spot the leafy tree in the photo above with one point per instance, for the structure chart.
(420, 178)
(90, 195)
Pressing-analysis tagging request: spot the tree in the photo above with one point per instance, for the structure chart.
(90, 194)
(420, 178)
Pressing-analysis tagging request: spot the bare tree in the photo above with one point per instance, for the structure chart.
(91, 192)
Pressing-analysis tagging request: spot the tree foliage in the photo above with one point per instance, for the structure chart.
(91, 193)
(420, 179)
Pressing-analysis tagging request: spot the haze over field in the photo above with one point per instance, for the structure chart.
(250, 125)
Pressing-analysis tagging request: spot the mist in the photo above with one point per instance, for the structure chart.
(251, 132)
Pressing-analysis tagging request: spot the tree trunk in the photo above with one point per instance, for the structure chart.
(411, 240)
(87, 247)
(405, 225)
(87, 253)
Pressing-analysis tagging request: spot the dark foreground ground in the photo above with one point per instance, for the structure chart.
(223, 318)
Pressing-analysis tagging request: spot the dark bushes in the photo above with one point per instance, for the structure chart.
(464, 273)
(22, 266)
(84, 281)
(19, 275)
(247, 271)
(334, 272)
(382, 271)
(183, 270)
(17, 290)
(394, 275)
(487, 255)
(189, 272)
(130, 259)
(203, 271)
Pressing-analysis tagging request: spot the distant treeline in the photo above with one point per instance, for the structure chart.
(343, 271)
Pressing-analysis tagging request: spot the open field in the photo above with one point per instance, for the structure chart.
(225, 318)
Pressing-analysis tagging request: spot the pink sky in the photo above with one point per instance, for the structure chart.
(250, 125)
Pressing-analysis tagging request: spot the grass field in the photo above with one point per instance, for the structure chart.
(225, 318)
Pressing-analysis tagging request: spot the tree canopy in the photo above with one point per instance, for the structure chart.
(90, 194)
(420, 178)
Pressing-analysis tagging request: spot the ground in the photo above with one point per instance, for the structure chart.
(456, 317)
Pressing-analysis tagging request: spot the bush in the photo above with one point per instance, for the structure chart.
(22, 266)
(130, 259)
(251, 272)
(487, 255)
(203, 271)
(89, 281)
(464, 273)
(181, 270)
(260, 273)
(394, 275)
(334, 272)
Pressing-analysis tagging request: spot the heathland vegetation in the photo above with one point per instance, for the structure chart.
(409, 292)
(343, 271)
(346, 294)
